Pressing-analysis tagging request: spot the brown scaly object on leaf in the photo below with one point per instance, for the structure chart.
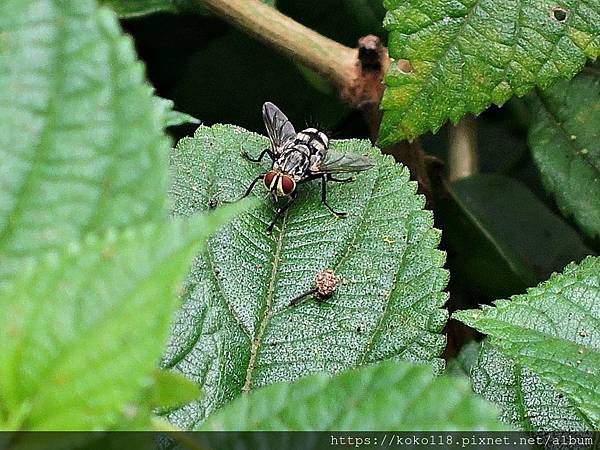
(327, 283)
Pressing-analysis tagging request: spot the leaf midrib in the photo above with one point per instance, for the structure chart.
(521, 405)
(256, 342)
(23, 194)
(503, 251)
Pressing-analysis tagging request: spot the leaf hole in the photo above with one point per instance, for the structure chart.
(559, 14)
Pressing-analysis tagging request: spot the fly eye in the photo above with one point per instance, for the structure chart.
(288, 185)
(269, 177)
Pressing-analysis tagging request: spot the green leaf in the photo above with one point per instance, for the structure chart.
(467, 55)
(171, 389)
(235, 330)
(174, 118)
(564, 141)
(554, 331)
(496, 225)
(386, 396)
(526, 401)
(81, 138)
(82, 330)
(171, 117)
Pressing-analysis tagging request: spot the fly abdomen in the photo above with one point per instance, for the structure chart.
(315, 140)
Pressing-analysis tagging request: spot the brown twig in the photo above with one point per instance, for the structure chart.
(328, 58)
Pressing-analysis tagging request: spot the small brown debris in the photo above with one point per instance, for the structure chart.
(326, 284)
(213, 203)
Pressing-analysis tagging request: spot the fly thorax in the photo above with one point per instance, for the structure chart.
(294, 161)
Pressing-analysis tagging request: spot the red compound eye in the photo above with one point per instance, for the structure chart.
(288, 185)
(269, 177)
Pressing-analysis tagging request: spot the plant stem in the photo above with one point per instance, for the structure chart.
(463, 160)
(328, 58)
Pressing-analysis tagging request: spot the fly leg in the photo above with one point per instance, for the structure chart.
(340, 180)
(324, 179)
(280, 211)
(247, 193)
(266, 151)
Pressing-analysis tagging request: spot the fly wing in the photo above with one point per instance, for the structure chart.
(280, 129)
(335, 162)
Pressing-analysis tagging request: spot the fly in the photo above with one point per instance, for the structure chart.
(298, 158)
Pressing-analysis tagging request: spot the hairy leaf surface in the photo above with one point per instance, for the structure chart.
(81, 330)
(527, 402)
(387, 396)
(564, 140)
(466, 55)
(235, 330)
(554, 331)
(81, 138)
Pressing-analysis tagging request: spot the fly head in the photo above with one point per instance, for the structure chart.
(279, 183)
